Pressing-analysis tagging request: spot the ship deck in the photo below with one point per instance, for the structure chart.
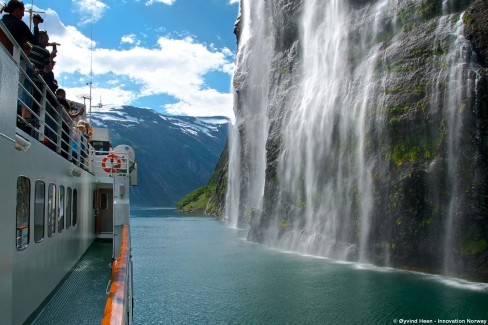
(81, 296)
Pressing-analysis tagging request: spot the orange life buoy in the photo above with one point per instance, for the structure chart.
(113, 164)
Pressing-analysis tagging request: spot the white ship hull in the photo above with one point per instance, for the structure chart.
(36, 255)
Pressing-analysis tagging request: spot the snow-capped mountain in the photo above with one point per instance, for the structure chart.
(175, 154)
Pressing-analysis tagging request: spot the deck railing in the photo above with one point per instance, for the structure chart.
(118, 309)
(39, 114)
(111, 163)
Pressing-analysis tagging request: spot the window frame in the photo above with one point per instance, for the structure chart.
(39, 211)
(75, 207)
(22, 214)
(62, 208)
(51, 210)
(69, 207)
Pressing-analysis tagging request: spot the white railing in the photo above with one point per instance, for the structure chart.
(111, 163)
(39, 114)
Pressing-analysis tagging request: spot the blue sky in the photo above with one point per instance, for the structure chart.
(174, 56)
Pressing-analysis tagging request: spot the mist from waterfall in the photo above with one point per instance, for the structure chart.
(248, 136)
(336, 143)
(325, 168)
(460, 77)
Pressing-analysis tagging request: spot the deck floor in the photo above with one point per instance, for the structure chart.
(81, 298)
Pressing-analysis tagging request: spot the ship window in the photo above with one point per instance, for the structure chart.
(62, 207)
(101, 147)
(51, 210)
(75, 206)
(39, 203)
(23, 212)
(68, 207)
(94, 199)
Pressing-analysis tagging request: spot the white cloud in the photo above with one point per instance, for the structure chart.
(175, 67)
(90, 10)
(166, 2)
(233, 2)
(130, 39)
(102, 98)
(207, 102)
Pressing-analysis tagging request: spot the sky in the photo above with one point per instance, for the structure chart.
(173, 56)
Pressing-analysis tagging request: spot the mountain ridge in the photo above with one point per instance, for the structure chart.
(175, 154)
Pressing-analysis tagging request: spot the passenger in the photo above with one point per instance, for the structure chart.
(13, 21)
(61, 95)
(68, 116)
(48, 77)
(77, 134)
(41, 58)
(89, 131)
(84, 143)
(40, 55)
(20, 31)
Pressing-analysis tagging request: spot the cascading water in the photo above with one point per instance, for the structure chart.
(248, 137)
(326, 166)
(350, 133)
(461, 77)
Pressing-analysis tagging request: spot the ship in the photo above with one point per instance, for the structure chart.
(62, 191)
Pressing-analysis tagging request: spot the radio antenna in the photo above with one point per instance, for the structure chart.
(91, 70)
(31, 11)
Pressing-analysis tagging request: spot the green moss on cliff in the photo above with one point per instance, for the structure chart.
(468, 18)
(210, 198)
(284, 224)
(471, 247)
(428, 8)
(403, 153)
(473, 242)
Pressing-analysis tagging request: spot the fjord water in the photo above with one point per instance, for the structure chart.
(196, 270)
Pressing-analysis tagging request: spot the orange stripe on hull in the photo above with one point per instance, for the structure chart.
(115, 312)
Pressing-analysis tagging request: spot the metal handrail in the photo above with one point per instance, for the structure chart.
(48, 121)
(112, 162)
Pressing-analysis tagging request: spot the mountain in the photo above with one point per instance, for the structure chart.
(175, 154)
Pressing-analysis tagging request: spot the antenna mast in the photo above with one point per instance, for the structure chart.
(91, 70)
(31, 11)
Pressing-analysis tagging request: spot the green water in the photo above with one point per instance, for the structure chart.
(193, 270)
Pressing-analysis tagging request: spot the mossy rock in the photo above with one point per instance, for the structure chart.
(472, 247)
(475, 21)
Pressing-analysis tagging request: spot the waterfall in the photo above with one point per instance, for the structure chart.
(369, 166)
(461, 77)
(249, 134)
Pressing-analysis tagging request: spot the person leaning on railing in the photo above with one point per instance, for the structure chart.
(82, 127)
(68, 116)
(20, 31)
(41, 59)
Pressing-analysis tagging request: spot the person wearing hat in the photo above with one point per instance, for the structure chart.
(15, 10)
(81, 125)
(78, 131)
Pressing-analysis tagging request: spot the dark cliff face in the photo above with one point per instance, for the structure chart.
(476, 29)
(423, 138)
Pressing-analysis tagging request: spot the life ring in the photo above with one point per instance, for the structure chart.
(113, 165)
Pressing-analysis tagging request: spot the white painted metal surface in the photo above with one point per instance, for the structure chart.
(30, 273)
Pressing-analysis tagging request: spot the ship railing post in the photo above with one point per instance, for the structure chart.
(42, 113)
(70, 138)
(59, 130)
